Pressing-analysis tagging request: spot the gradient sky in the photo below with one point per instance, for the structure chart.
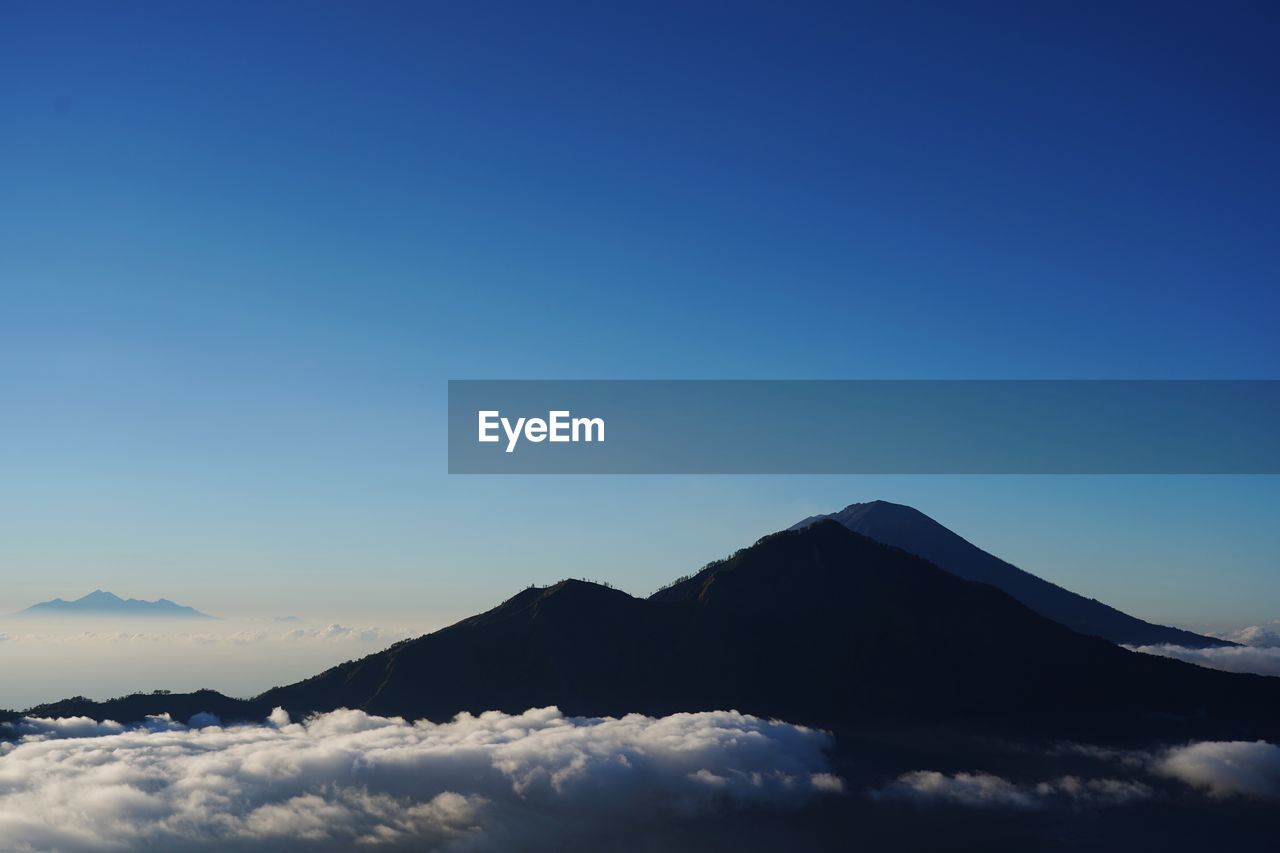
(243, 247)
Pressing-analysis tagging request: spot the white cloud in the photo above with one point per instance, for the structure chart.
(1223, 768)
(1262, 660)
(36, 729)
(43, 728)
(1256, 635)
(348, 778)
(969, 789)
(1102, 792)
(1258, 653)
(984, 790)
(1218, 768)
(369, 634)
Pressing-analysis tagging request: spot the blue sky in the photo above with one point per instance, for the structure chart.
(243, 247)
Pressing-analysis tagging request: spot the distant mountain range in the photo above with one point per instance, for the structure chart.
(819, 625)
(911, 530)
(100, 603)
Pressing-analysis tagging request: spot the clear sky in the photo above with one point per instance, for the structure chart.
(243, 246)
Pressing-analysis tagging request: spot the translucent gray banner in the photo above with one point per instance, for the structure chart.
(864, 427)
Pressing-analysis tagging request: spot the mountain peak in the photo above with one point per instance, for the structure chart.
(855, 511)
(879, 508)
(570, 593)
(911, 530)
(103, 603)
(99, 596)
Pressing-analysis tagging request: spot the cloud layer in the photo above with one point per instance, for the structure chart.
(347, 778)
(249, 636)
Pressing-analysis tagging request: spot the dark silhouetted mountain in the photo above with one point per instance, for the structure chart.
(180, 706)
(99, 603)
(917, 533)
(820, 626)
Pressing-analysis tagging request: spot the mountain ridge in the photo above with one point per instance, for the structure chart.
(103, 603)
(820, 626)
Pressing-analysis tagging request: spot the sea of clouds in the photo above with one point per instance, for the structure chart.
(537, 780)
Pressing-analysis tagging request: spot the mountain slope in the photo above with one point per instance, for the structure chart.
(100, 603)
(913, 531)
(575, 644)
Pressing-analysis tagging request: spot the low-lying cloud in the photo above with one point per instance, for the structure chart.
(1260, 660)
(1220, 769)
(984, 790)
(347, 778)
(1226, 768)
(1260, 636)
(368, 634)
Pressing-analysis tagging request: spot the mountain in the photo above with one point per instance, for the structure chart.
(821, 626)
(917, 533)
(100, 603)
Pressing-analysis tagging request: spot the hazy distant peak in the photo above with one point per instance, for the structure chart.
(99, 596)
(103, 603)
